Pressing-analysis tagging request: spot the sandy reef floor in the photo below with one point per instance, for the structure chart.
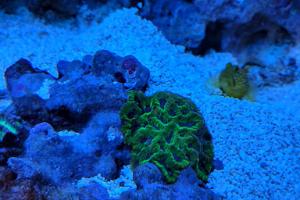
(258, 142)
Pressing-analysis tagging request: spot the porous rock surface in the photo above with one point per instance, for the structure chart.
(150, 185)
(82, 89)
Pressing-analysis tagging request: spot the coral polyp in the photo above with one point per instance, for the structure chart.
(169, 131)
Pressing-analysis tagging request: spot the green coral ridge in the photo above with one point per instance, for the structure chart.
(167, 130)
(6, 127)
(234, 82)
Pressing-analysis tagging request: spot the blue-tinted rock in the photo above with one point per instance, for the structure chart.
(102, 138)
(22, 190)
(10, 6)
(88, 60)
(108, 168)
(70, 70)
(64, 8)
(24, 83)
(6, 176)
(86, 95)
(93, 192)
(150, 186)
(188, 186)
(187, 22)
(52, 157)
(53, 10)
(147, 174)
(81, 90)
(127, 70)
(179, 20)
(103, 128)
(59, 158)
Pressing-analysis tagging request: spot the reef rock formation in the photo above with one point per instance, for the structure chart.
(150, 185)
(83, 88)
(220, 23)
(59, 159)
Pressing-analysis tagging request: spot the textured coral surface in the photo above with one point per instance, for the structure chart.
(167, 130)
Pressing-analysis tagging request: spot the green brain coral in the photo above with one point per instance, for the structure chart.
(167, 130)
(233, 81)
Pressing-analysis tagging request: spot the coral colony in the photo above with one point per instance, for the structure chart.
(167, 130)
